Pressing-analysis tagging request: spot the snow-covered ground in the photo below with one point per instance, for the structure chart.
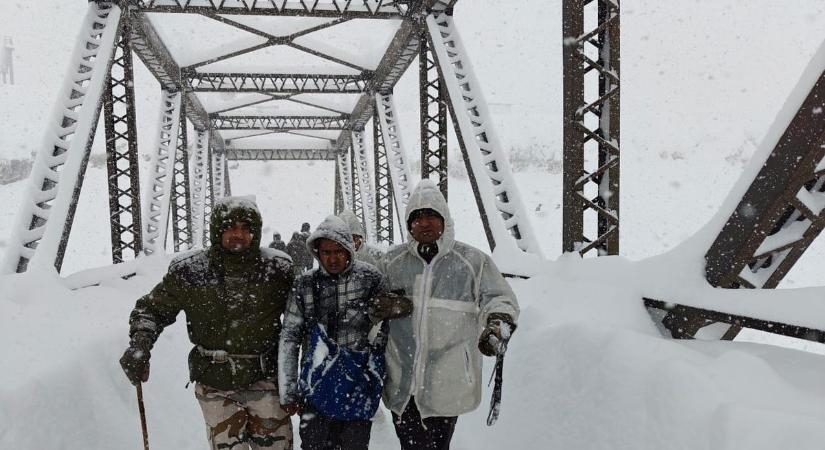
(702, 82)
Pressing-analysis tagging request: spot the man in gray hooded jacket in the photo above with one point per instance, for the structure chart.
(348, 298)
(460, 300)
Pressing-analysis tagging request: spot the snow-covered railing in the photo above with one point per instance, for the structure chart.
(199, 168)
(508, 224)
(362, 170)
(41, 233)
(158, 189)
(396, 152)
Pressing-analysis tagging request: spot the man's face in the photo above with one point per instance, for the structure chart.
(237, 238)
(427, 227)
(359, 240)
(333, 256)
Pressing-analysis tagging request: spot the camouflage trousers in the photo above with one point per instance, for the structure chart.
(242, 419)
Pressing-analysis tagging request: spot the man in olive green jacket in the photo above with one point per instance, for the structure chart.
(233, 294)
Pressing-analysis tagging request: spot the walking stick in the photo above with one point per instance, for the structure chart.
(142, 410)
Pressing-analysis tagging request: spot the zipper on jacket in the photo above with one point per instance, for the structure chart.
(425, 293)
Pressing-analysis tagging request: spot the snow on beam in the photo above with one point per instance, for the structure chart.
(345, 172)
(781, 204)
(362, 170)
(199, 168)
(506, 222)
(279, 122)
(348, 9)
(158, 189)
(396, 152)
(43, 225)
(278, 83)
(292, 154)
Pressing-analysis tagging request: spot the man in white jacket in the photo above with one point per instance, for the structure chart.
(462, 307)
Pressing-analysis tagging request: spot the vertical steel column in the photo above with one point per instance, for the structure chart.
(209, 196)
(218, 178)
(433, 115)
(227, 188)
(591, 125)
(396, 154)
(338, 199)
(45, 220)
(198, 169)
(345, 173)
(357, 205)
(122, 151)
(383, 184)
(362, 170)
(181, 202)
(158, 190)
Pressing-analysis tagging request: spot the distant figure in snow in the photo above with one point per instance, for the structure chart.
(297, 250)
(363, 251)
(277, 243)
(233, 294)
(462, 309)
(341, 306)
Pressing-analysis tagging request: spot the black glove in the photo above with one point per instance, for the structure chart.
(496, 335)
(135, 360)
(390, 305)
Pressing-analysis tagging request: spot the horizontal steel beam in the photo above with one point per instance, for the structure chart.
(295, 154)
(360, 9)
(279, 83)
(284, 123)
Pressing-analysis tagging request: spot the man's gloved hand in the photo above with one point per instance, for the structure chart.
(135, 360)
(496, 334)
(390, 305)
(292, 408)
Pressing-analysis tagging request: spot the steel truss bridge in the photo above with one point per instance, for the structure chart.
(777, 218)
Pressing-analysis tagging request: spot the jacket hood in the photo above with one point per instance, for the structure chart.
(229, 210)
(427, 196)
(335, 229)
(352, 221)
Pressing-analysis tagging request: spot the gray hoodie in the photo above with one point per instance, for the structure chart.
(433, 354)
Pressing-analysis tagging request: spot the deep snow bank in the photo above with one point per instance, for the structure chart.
(586, 370)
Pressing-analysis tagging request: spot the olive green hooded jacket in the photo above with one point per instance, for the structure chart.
(233, 303)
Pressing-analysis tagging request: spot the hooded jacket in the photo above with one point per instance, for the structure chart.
(343, 298)
(232, 302)
(433, 354)
(366, 253)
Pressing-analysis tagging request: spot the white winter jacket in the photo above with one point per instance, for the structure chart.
(433, 354)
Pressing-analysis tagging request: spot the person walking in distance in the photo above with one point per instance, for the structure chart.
(233, 294)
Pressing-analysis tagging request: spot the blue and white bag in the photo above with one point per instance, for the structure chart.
(341, 383)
